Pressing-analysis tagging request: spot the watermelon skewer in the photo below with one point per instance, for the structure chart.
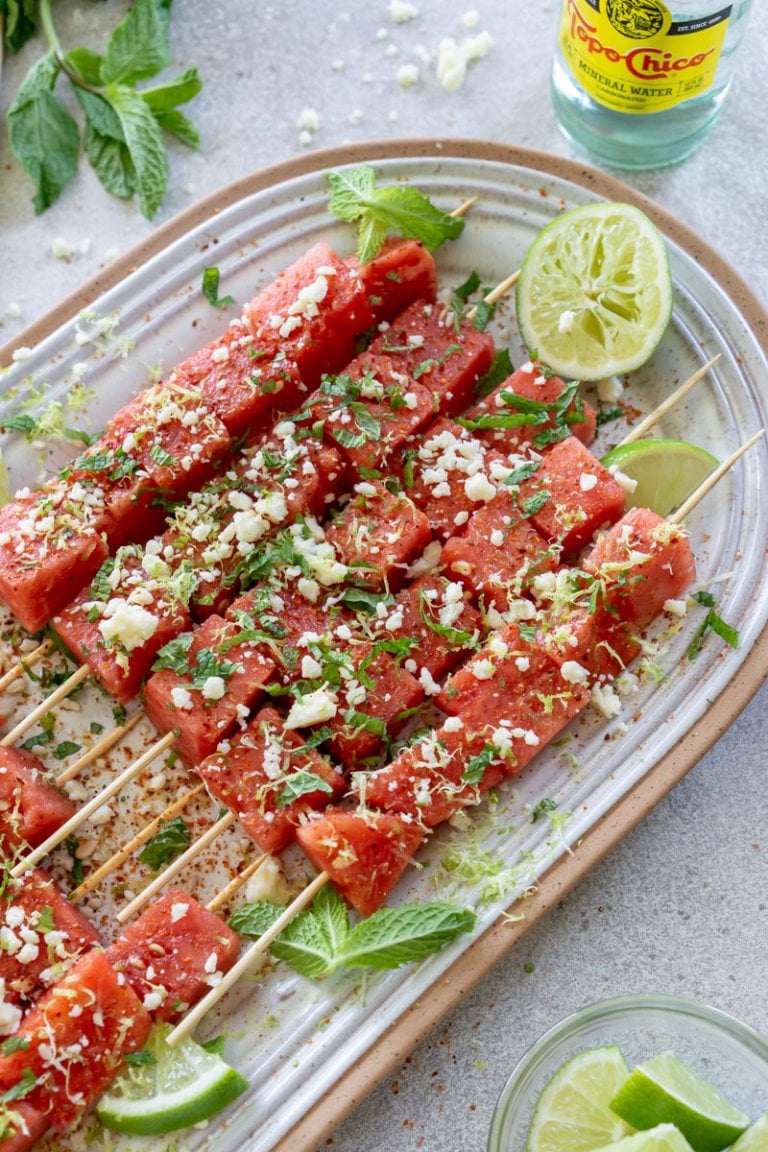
(162, 745)
(189, 1022)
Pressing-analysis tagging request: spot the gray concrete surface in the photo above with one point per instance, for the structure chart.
(681, 905)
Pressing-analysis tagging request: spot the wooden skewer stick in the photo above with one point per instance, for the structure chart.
(652, 418)
(236, 883)
(98, 749)
(185, 1026)
(707, 485)
(92, 806)
(138, 841)
(495, 294)
(42, 709)
(25, 662)
(226, 821)
(465, 207)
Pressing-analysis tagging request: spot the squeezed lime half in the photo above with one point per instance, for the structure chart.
(594, 296)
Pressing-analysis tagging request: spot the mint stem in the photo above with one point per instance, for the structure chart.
(46, 20)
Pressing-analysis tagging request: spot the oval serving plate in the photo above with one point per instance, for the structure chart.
(311, 1050)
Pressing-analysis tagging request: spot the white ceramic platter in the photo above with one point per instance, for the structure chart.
(295, 1040)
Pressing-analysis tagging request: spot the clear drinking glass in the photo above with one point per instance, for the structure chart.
(728, 1054)
(637, 83)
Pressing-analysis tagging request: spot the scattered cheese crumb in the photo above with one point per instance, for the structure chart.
(610, 390)
(407, 75)
(269, 883)
(312, 708)
(453, 58)
(308, 120)
(400, 11)
(566, 322)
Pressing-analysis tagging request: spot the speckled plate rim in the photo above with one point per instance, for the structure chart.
(406, 1032)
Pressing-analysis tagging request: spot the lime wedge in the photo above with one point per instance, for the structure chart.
(594, 295)
(755, 1138)
(181, 1086)
(667, 472)
(573, 1113)
(662, 1138)
(664, 1090)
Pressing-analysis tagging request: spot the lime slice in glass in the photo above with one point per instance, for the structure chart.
(664, 1090)
(176, 1088)
(662, 1138)
(572, 1113)
(666, 472)
(755, 1138)
(594, 295)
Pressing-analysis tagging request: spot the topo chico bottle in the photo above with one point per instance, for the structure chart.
(638, 83)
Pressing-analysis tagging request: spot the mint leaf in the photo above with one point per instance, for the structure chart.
(139, 47)
(523, 472)
(542, 808)
(86, 64)
(14, 1044)
(166, 845)
(66, 748)
(348, 189)
(452, 635)
(500, 370)
(477, 765)
(21, 1089)
(358, 600)
(468, 288)
(211, 289)
(535, 503)
(178, 91)
(314, 941)
(174, 654)
(105, 146)
(254, 919)
(396, 208)
(20, 22)
(320, 940)
(144, 140)
(43, 134)
(140, 1059)
(712, 622)
(301, 783)
(175, 122)
(407, 211)
(216, 1045)
(395, 936)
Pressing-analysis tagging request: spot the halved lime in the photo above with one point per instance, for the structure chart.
(182, 1086)
(594, 295)
(755, 1138)
(573, 1113)
(664, 1090)
(662, 1138)
(667, 472)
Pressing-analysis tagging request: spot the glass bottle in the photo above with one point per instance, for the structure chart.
(638, 83)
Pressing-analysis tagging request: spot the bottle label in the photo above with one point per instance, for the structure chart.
(631, 56)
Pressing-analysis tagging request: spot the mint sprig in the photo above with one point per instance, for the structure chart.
(395, 208)
(166, 844)
(320, 939)
(123, 128)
